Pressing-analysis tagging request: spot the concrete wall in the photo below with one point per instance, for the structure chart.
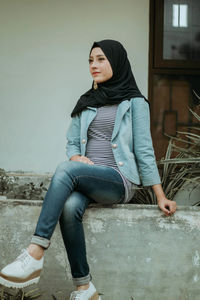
(134, 251)
(44, 69)
(24, 185)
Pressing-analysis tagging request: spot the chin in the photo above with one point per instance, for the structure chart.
(99, 81)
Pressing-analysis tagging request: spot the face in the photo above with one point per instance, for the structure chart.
(100, 67)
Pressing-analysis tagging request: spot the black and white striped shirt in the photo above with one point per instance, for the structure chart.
(99, 149)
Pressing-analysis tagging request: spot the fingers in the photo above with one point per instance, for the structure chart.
(165, 210)
(82, 159)
(172, 207)
(168, 207)
(85, 160)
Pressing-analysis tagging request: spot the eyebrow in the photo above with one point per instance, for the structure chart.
(98, 55)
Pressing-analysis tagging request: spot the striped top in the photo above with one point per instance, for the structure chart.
(99, 148)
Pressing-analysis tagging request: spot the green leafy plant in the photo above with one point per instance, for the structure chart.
(20, 294)
(13, 190)
(5, 182)
(27, 191)
(27, 293)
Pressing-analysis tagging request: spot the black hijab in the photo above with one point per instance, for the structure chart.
(121, 86)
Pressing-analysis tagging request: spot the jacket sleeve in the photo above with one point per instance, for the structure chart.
(73, 138)
(142, 143)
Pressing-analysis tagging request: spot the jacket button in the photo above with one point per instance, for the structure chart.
(120, 163)
(83, 141)
(114, 146)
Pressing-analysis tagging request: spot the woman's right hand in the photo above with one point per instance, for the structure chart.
(82, 159)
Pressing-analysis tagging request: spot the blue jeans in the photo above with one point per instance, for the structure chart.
(73, 186)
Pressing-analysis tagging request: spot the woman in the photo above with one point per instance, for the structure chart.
(110, 151)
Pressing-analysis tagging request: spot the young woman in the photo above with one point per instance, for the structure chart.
(110, 151)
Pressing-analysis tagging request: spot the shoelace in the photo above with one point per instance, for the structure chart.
(23, 257)
(75, 295)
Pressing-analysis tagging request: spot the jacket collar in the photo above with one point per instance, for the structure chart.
(122, 109)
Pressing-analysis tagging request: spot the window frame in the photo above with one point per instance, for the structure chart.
(158, 61)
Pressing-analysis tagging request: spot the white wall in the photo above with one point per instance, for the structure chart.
(44, 69)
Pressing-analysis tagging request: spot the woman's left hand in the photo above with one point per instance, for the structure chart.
(167, 206)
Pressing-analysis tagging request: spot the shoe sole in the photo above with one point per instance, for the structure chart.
(14, 282)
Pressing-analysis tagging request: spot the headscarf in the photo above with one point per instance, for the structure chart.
(121, 86)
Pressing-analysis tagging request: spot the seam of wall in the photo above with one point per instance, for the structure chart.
(130, 206)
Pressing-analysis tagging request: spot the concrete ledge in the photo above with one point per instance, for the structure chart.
(134, 251)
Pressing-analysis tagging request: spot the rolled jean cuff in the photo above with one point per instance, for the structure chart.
(38, 240)
(82, 280)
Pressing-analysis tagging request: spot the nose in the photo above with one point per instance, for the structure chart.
(93, 65)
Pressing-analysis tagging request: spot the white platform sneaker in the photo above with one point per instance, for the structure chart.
(89, 294)
(24, 271)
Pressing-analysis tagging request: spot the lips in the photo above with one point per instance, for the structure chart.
(95, 73)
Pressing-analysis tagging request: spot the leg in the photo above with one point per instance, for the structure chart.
(102, 184)
(73, 236)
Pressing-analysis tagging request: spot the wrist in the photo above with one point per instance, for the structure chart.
(160, 200)
(160, 195)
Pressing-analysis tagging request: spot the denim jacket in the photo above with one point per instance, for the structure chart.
(131, 140)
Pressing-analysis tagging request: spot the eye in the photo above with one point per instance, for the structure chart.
(101, 58)
(90, 60)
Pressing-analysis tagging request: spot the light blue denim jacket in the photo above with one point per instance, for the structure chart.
(131, 140)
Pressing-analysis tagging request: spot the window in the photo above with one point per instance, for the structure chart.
(177, 37)
(180, 15)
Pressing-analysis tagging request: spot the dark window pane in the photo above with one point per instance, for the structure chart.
(181, 39)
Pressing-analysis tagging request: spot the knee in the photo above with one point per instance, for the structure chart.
(65, 167)
(73, 208)
(61, 170)
(61, 167)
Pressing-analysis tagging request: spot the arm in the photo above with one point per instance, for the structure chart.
(144, 152)
(142, 143)
(73, 138)
(73, 149)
